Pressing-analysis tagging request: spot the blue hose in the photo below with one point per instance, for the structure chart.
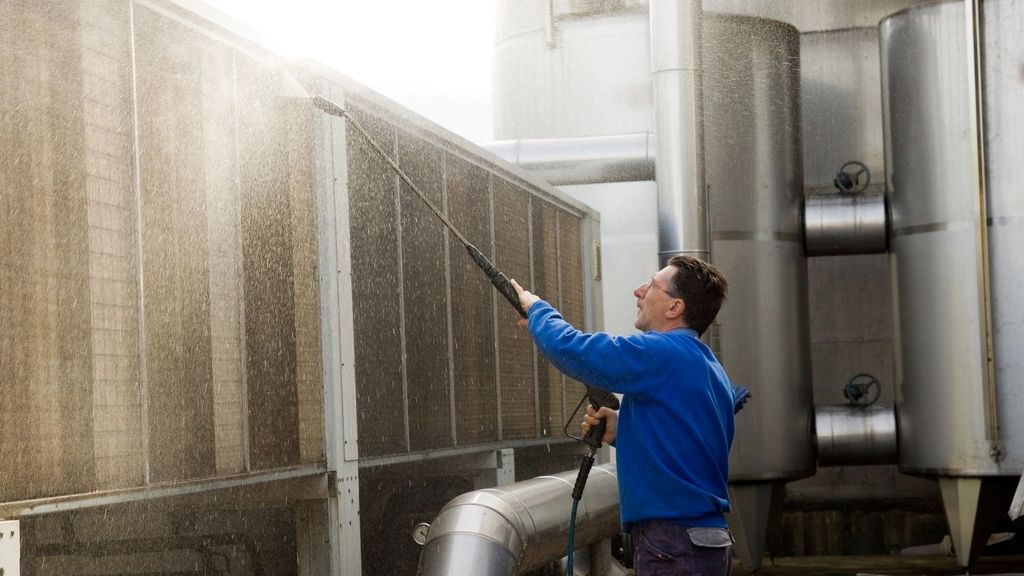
(572, 537)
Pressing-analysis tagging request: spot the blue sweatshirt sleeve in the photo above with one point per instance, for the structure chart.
(614, 363)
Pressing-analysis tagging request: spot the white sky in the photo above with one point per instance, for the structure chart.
(432, 56)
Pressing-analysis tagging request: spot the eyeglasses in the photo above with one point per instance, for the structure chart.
(650, 284)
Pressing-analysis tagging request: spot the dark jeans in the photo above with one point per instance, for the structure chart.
(666, 549)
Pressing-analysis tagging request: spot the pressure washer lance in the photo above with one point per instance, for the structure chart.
(497, 278)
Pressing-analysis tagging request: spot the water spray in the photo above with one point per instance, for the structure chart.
(498, 279)
(598, 398)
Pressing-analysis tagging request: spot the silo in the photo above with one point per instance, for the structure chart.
(577, 70)
(955, 253)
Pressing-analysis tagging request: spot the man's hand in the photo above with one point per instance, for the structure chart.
(526, 299)
(591, 418)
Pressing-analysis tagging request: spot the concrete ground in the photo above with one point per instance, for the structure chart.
(881, 566)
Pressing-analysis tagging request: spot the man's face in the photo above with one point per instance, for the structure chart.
(653, 300)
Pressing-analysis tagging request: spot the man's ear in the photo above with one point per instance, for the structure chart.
(676, 309)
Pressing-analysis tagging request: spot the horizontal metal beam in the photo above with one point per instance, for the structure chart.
(291, 479)
(586, 160)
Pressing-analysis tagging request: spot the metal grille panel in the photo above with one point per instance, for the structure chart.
(78, 237)
(373, 205)
(545, 284)
(426, 311)
(476, 393)
(452, 369)
(512, 255)
(45, 357)
(570, 252)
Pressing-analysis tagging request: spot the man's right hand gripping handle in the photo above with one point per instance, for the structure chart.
(599, 399)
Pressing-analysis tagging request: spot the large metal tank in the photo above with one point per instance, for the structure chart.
(752, 135)
(955, 421)
(936, 225)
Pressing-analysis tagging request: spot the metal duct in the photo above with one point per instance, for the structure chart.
(845, 224)
(679, 128)
(855, 435)
(512, 529)
(587, 160)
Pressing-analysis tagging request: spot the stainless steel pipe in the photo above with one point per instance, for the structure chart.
(845, 224)
(512, 529)
(585, 160)
(855, 435)
(683, 212)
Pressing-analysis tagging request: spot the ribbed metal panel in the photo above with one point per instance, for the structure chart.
(227, 307)
(45, 370)
(545, 284)
(474, 374)
(570, 253)
(425, 300)
(512, 255)
(174, 239)
(133, 350)
(113, 289)
(373, 206)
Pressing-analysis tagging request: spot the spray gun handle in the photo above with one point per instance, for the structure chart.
(598, 399)
(497, 278)
(501, 282)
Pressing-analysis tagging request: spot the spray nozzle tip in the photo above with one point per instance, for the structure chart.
(328, 106)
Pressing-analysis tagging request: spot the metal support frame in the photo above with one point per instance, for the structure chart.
(1017, 507)
(340, 416)
(976, 134)
(497, 468)
(10, 548)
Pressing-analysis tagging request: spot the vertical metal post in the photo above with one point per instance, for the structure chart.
(243, 374)
(537, 427)
(549, 23)
(143, 371)
(494, 311)
(448, 301)
(337, 328)
(976, 135)
(562, 380)
(590, 248)
(10, 548)
(401, 299)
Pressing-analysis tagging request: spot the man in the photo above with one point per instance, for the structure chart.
(675, 426)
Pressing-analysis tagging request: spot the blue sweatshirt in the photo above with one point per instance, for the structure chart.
(675, 423)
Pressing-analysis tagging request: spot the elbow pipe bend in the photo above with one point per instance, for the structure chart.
(508, 530)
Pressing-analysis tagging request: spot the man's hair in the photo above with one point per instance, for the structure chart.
(702, 287)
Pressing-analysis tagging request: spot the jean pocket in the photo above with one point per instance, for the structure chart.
(709, 537)
(653, 550)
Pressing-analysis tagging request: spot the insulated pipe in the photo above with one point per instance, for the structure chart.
(845, 224)
(855, 435)
(676, 37)
(513, 529)
(586, 160)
